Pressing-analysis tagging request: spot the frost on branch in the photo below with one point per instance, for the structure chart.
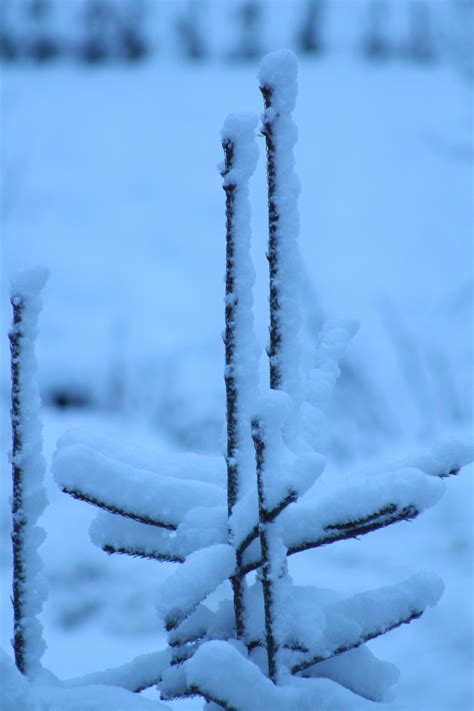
(269, 644)
(28, 468)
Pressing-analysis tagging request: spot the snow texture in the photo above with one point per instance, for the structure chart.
(29, 500)
(238, 135)
(278, 75)
(144, 671)
(187, 465)
(360, 671)
(239, 684)
(142, 495)
(368, 503)
(15, 692)
(193, 581)
(116, 534)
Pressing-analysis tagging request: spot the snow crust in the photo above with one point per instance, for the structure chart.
(25, 293)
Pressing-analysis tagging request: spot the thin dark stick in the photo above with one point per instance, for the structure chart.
(230, 380)
(267, 572)
(273, 256)
(19, 519)
(111, 508)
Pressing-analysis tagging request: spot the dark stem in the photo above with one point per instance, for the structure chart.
(89, 499)
(231, 304)
(18, 514)
(267, 573)
(291, 498)
(273, 256)
(137, 553)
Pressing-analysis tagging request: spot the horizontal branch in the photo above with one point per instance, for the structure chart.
(141, 673)
(149, 555)
(342, 531)
(112, 508)
(312, 660)
(120, 488)
(349, 529)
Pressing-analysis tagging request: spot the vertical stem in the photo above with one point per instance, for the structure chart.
(267, 574)
(19, 519)
(230, 381)
(273, 247)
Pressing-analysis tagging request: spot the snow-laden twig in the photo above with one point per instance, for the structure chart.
(28, 468)
(356, 620)
(141, 673)
(267, 575)
(193, 581)
(277, 77)
(241, 368)
(123, 489)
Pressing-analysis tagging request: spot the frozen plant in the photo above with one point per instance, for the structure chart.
(268, 644)
(28, 468)
(29, 686)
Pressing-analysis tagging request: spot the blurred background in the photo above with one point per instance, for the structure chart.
(110, 117)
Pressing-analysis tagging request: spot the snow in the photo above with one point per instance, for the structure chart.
(48, 694)
(15, 691)
(145, 670)
(239, 682)
(241, 347)
(278, 72)
(413, 247)
(144, 496)
(180, 465)
(29, 498)
(193, 581)
(320, 516)
(117, 534)
(360, 671)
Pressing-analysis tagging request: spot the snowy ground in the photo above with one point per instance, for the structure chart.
(109, 179)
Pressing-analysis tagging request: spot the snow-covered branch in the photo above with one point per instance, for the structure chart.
(133, 493)
(193, 581)
(141, 673)
(28, 467)
(277, 77)
(115, 534)
(356, 620)
(367, 505)
(241, 366)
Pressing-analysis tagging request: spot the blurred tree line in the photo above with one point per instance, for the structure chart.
(97, 31)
